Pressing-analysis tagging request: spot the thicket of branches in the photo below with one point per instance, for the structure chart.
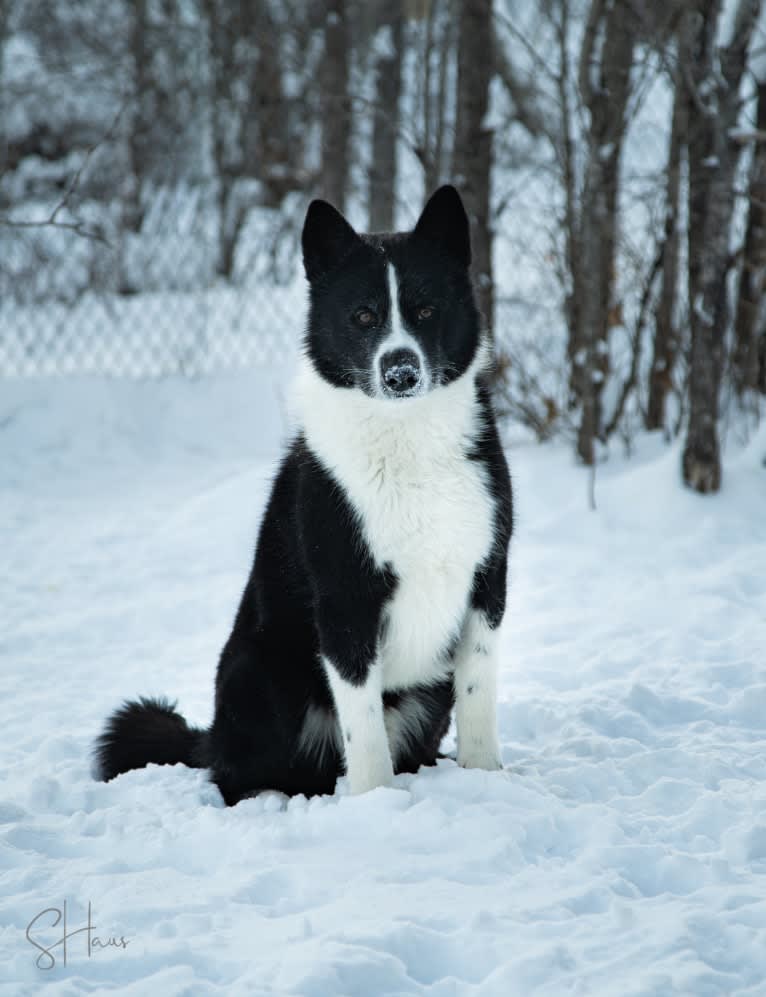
(655, 313)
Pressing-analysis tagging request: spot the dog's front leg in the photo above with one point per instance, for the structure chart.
(476, 695)
(359, 706)
(349, 596)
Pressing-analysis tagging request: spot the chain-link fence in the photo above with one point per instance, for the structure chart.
(93, 299)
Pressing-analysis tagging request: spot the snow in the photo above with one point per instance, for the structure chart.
(383, 47)
(622, 850)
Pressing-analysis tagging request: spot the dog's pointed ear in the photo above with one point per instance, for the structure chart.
(444, 223)
(327, 239)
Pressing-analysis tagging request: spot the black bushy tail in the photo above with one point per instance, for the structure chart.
(149, 730)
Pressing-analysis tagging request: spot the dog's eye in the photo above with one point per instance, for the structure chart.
(366, 317)
(425, 313)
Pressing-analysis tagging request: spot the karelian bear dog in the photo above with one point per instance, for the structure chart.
(378, 585)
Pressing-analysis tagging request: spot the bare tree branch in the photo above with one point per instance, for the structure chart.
(632, 378)
(53, 220)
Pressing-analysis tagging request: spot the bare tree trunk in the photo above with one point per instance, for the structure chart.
(701, 462)
(224, 29)
(388, 71)
(426, 153)
(761, 376)
(472, 162)
(566, 156)
(437, 91)
(750, 321)
(713, 102)
(267, 144)
(139, 126)
(335, 104)
(666, 333)
(605, 88)
(5, 164)
(442, 150)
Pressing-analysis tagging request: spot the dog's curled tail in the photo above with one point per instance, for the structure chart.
(145, 731)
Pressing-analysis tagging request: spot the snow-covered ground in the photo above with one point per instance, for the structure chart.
(621, 852)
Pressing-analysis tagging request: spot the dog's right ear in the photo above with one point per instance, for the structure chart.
(327, 239)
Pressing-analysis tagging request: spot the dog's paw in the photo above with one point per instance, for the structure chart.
(367, 777)
(479, 755)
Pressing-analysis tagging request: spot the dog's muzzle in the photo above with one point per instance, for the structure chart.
(400, 373)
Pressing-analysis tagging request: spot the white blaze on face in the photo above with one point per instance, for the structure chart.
(397, 323)
(398, 337)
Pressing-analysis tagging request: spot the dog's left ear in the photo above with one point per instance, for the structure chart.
(327, 239)
(444, 223)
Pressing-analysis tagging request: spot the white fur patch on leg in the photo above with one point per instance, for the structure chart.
(476, 696)
(362, 729)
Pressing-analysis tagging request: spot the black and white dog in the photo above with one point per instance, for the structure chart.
(379, 579)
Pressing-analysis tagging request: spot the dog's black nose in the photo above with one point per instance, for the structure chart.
(400, 371)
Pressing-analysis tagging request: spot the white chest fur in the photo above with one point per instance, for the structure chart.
(425, 508)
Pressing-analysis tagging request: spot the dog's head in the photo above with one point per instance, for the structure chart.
(391, 315)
